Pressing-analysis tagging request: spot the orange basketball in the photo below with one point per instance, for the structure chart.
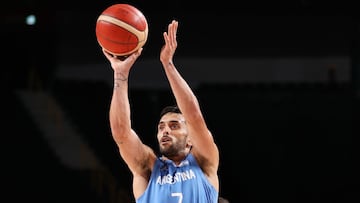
(121, 29)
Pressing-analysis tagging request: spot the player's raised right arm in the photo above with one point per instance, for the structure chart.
(137, 156)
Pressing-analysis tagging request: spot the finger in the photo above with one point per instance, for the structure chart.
(176, 28)
(173, 33)
(107, 55)
(166, 38)
(134, 56)
(138, 52)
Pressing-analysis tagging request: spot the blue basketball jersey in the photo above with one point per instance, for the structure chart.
(184, 183)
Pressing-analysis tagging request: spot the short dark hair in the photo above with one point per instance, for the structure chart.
(170, 109)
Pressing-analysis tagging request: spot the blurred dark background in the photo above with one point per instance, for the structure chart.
(278, 82)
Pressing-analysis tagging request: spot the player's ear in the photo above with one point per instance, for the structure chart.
(188, 144)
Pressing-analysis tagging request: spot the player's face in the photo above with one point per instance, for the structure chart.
(172, 134)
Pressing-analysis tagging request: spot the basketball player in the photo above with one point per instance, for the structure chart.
(187, 170)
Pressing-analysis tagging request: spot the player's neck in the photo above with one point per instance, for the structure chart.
(177, 159)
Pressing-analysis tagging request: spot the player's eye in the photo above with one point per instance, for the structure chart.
(174, 126)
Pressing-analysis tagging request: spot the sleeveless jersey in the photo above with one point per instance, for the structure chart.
(185, 183)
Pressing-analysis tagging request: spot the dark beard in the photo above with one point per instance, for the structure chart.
(170, 152)
(175, 149)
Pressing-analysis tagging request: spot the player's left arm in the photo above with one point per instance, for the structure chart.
(204, 148)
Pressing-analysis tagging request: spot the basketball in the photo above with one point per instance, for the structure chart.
(121, 29)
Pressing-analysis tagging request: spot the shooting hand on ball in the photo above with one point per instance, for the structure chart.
(122, 66)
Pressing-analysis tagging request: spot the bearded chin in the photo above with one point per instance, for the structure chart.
(169, 152)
